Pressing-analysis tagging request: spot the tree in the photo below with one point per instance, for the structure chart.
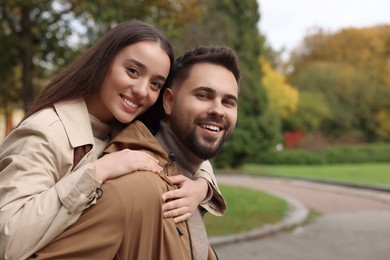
(282, 97)
(8, 96)
(98, 16)
(383, 125)
(365, 48)
(350, 69)
(31, 31)
(312, 110)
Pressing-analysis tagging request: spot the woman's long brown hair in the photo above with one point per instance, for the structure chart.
(84, 77)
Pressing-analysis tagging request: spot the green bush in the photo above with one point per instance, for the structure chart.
(291, 157)
(347, 154)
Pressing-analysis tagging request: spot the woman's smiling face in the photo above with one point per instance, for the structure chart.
(132, 83)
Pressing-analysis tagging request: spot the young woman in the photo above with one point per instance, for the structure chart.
(50, 170)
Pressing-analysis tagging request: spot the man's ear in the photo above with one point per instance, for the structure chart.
(168, 101)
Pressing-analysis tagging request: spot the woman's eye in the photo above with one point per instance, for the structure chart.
(156, 85)
(133, 71)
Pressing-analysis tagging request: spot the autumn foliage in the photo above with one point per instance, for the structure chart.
(350, 71)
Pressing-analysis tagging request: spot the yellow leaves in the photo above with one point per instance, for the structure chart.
(364, 48)
(282, 97)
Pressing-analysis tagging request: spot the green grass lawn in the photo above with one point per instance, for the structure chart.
(370, 173)
(247, 209)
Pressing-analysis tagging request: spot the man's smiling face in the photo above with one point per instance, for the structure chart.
(202, 110)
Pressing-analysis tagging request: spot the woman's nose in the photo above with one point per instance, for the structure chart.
(140, 89)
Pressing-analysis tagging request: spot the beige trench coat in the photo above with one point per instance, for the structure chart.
(38, 197)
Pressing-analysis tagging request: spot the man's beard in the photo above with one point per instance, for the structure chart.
(207, 147)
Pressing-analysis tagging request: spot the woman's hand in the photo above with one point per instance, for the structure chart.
(182, 203)
(116, 164)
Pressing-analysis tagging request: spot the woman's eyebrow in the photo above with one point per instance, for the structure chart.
(137, 62)
(143, 66)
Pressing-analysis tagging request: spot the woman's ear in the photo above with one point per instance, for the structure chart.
(168, 101)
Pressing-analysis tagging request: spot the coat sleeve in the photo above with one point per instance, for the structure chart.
(214, 202)
(38, 196)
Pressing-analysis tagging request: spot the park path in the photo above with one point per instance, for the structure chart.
(354, 223)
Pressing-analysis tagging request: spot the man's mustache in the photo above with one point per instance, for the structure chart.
(215, 119)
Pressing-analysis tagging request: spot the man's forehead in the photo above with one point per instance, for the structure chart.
(212, 76)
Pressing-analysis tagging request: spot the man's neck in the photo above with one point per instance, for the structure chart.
(185, 160)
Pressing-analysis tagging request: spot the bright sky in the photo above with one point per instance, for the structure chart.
(286, 22)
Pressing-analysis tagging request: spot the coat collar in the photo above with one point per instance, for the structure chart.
(185, 160)
(75, 118)
(136, 136)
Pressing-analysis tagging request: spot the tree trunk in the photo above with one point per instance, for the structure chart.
(27, 61)
(9, 124)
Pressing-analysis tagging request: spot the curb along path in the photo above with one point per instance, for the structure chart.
(297, 214)
(355, 223)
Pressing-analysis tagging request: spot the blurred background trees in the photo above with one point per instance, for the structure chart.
(350, 69)
(335, 85)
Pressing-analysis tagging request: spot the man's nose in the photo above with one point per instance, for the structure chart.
(217, 108)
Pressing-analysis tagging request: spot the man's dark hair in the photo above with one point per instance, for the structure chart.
(218, 55)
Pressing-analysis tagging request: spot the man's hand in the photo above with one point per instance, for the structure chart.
(182, 203)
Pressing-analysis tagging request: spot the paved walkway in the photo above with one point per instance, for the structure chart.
(355, 224)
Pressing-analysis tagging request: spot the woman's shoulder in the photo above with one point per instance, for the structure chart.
(42, 129)
(65, 120)
(42, 125)
(65, 112)
(45, 117)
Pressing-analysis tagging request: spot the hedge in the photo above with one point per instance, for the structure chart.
(347, 154)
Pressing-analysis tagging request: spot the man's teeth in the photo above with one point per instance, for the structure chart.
(129, 103)
(211, 127)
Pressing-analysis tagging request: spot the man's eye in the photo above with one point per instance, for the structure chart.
(202, 96)
(229, 103)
